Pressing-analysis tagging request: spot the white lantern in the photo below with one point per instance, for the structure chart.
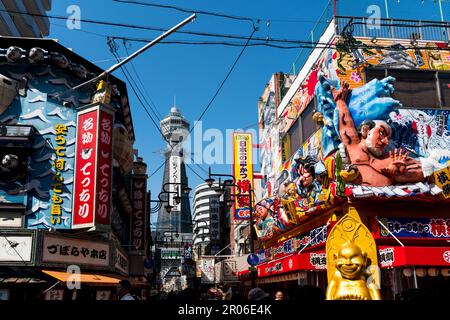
(445, 272)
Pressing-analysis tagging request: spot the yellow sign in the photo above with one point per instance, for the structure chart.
(243, 173)
(442, 180)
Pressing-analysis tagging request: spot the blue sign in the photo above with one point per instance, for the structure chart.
(252, 259)
(415, 227)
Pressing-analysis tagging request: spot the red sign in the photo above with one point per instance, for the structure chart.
(395, 256)
(92, 190)
(302, 261)
(104, 168)
(138, 222)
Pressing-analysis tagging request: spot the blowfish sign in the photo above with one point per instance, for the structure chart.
(243, 172)
(92, 190)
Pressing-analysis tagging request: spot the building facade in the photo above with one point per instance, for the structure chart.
(25, 18)
(67, 203)
(363, 131)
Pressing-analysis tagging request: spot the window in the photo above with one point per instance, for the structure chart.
(417, 88)
(308, 125)
(294, 134)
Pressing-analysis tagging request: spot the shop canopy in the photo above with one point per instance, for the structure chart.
(388, 256)
(88, 278)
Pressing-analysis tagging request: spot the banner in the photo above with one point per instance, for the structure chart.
(311, 239)
(174, 179)
(92, 190)
(138, 221)
(243, 173)
(214, 218)
(207, 270)
(424, 228)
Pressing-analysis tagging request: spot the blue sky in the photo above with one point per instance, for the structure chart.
(193, 73)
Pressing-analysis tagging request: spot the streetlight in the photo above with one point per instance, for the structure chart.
(231, 183)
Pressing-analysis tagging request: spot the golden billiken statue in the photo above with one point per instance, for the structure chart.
(349, 282)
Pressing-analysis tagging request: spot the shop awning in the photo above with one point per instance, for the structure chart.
(396, 256)
(88, 278)
(388, 257)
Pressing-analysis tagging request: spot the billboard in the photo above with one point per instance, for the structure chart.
(243, 173)
(92, 190)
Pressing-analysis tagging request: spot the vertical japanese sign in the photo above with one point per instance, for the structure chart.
(92, 190)
(243, 173)
(103, 194)
(214, 218)
(59, 165)
(174, 179)
(138, 221)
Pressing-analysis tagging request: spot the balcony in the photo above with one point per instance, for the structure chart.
(394, 28)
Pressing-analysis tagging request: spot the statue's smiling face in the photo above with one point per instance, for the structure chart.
(350, 261)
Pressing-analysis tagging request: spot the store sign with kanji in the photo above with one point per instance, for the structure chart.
(312, 238)
(74, 251)
(93, 169)
(243, 173)
(138, 221)
(442, 180)
(429, 228)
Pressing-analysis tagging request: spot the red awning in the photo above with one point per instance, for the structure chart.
(396, 256)
(389, 256)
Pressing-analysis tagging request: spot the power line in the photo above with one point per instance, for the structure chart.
(211, 13)
(140, 81)
(230, 36)
(222, 15)
(224, 80)
(137, 93)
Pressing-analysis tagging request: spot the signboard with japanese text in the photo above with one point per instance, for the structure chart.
(243, 173)
(92, 190)
(75, 251)
(424, 228)
(15, 248)
(174, 179)
(311, 239)
(442, 179)
(59, 166)
(138, 220)
(214, 218)
(85, 165)
(104, 168)
(121, 263)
